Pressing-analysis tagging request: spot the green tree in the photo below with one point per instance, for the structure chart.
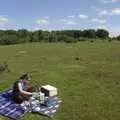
(52, 37)
(8, 40)
(101, 33)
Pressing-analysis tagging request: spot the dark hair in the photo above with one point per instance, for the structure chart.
(24, 76)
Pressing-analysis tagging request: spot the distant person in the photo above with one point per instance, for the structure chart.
(21, 92)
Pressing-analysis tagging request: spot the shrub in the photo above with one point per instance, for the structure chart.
(70, 40)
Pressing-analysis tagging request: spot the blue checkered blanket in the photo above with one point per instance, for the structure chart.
(10, 109)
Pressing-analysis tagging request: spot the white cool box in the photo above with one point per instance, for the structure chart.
(49, 90)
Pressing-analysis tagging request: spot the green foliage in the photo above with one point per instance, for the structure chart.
(9, 39)
(61, 38)
(70, 40)
(101, 33)
(118, 37)
(68, 36)
(82, 39)
(52, 37)
(89, 33)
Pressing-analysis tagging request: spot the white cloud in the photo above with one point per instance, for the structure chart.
(106, 1)
(102, 21)
(114, 31)
(102, 27)
(3, 19)
(95, 8)
(72, 16)
(70, 23)
(110, 1)
(41, 28)
(98, 20)
(115, 0)
(63, 20)
(82, 16)
(37, 28)
(95, 20)
(104, 12)
(42, 21)
(67, 22)
(116, 11)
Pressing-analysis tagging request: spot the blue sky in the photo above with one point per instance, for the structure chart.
(60, 14)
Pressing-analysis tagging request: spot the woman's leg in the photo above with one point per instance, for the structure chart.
(18, 99)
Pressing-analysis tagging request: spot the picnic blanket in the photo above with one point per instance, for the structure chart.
(10, 109)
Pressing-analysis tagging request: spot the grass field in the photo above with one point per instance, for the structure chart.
(87, 76)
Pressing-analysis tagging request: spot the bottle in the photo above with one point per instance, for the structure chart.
(42, 97)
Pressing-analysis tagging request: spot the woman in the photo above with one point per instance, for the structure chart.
(20, 91)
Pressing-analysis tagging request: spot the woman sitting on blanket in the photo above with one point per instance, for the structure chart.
(20, 91)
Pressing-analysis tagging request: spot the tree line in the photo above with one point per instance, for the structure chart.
(8, 37)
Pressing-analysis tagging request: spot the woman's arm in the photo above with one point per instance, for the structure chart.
(23, 91)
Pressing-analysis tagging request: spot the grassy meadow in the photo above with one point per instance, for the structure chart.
(86, 74)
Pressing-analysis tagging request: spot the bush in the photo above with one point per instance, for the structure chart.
(8, 40)
(82, 39)
(70, 40)
(61, 38)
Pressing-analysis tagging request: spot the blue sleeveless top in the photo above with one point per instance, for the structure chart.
(15, 87)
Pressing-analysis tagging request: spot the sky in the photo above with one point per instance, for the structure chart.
(60, 14)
